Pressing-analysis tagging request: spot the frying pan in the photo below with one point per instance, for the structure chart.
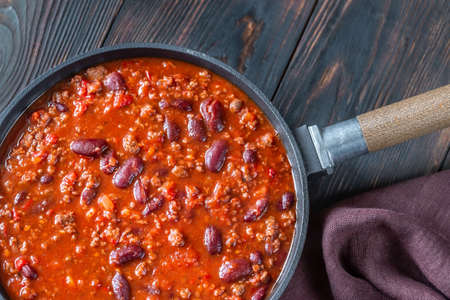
(309, 148)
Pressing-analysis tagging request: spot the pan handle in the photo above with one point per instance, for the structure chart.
(374, 130)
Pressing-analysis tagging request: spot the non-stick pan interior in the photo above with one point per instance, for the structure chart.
(17, 107)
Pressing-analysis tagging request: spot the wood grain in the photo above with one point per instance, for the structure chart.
(407, 119)
(37, 35)
(255, 37)
(359, 55)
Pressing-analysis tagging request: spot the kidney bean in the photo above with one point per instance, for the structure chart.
(256, 257)
(215, 155)
(287, 199)
(108, 163)
(182, 104)
(89, 147)
(249, 156)
(257, 211)
(172, 130)
(125, 254)
(126, 173)
(61, 107)
(213, 113)
(234, 270)
(139, 192)
(28, 272)
(259, 293)
(114, 82)
(20, 196)
(196, 129)
(87, 195)
(154, 203)
(213, 240)
(121, 287)
(46, 179)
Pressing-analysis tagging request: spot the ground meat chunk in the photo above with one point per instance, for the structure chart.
(260, 277)
(238, 289)
(176, 238)
(68, 182)
(96, 73)
(231, 239)
(180, 171)
(173, 211)
(130, 144)
(66, 221)
(236, 105)
(28, 293)
(271, 237)
(111, 234)
(272, 228)
(248, 119)
(185, 293)
(146, 111)
(267, 140)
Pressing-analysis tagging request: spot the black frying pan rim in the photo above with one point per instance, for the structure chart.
(21, 102)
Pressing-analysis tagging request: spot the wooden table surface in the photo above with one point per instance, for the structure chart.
(319, 61)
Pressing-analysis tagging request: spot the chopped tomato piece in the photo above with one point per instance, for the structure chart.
(192, 197)
(93, 87)
(27, 204)
(106, 203)
(51, 139)
(271, 172)
(70, 179)
(19, 262)
(169, 190)
(147, 74)
(121, 100)
(82, 88)
(39, 156)
(36, 115)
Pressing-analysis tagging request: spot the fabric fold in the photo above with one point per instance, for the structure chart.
(390, 243)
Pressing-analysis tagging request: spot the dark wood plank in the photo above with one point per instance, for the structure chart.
(37, 35)
(359, 55)
(255, 37)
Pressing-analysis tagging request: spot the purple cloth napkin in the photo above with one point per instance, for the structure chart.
(391, 243)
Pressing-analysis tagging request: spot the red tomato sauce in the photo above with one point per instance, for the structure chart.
(144, 178)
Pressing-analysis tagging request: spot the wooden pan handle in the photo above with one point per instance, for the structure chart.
(406, 119)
